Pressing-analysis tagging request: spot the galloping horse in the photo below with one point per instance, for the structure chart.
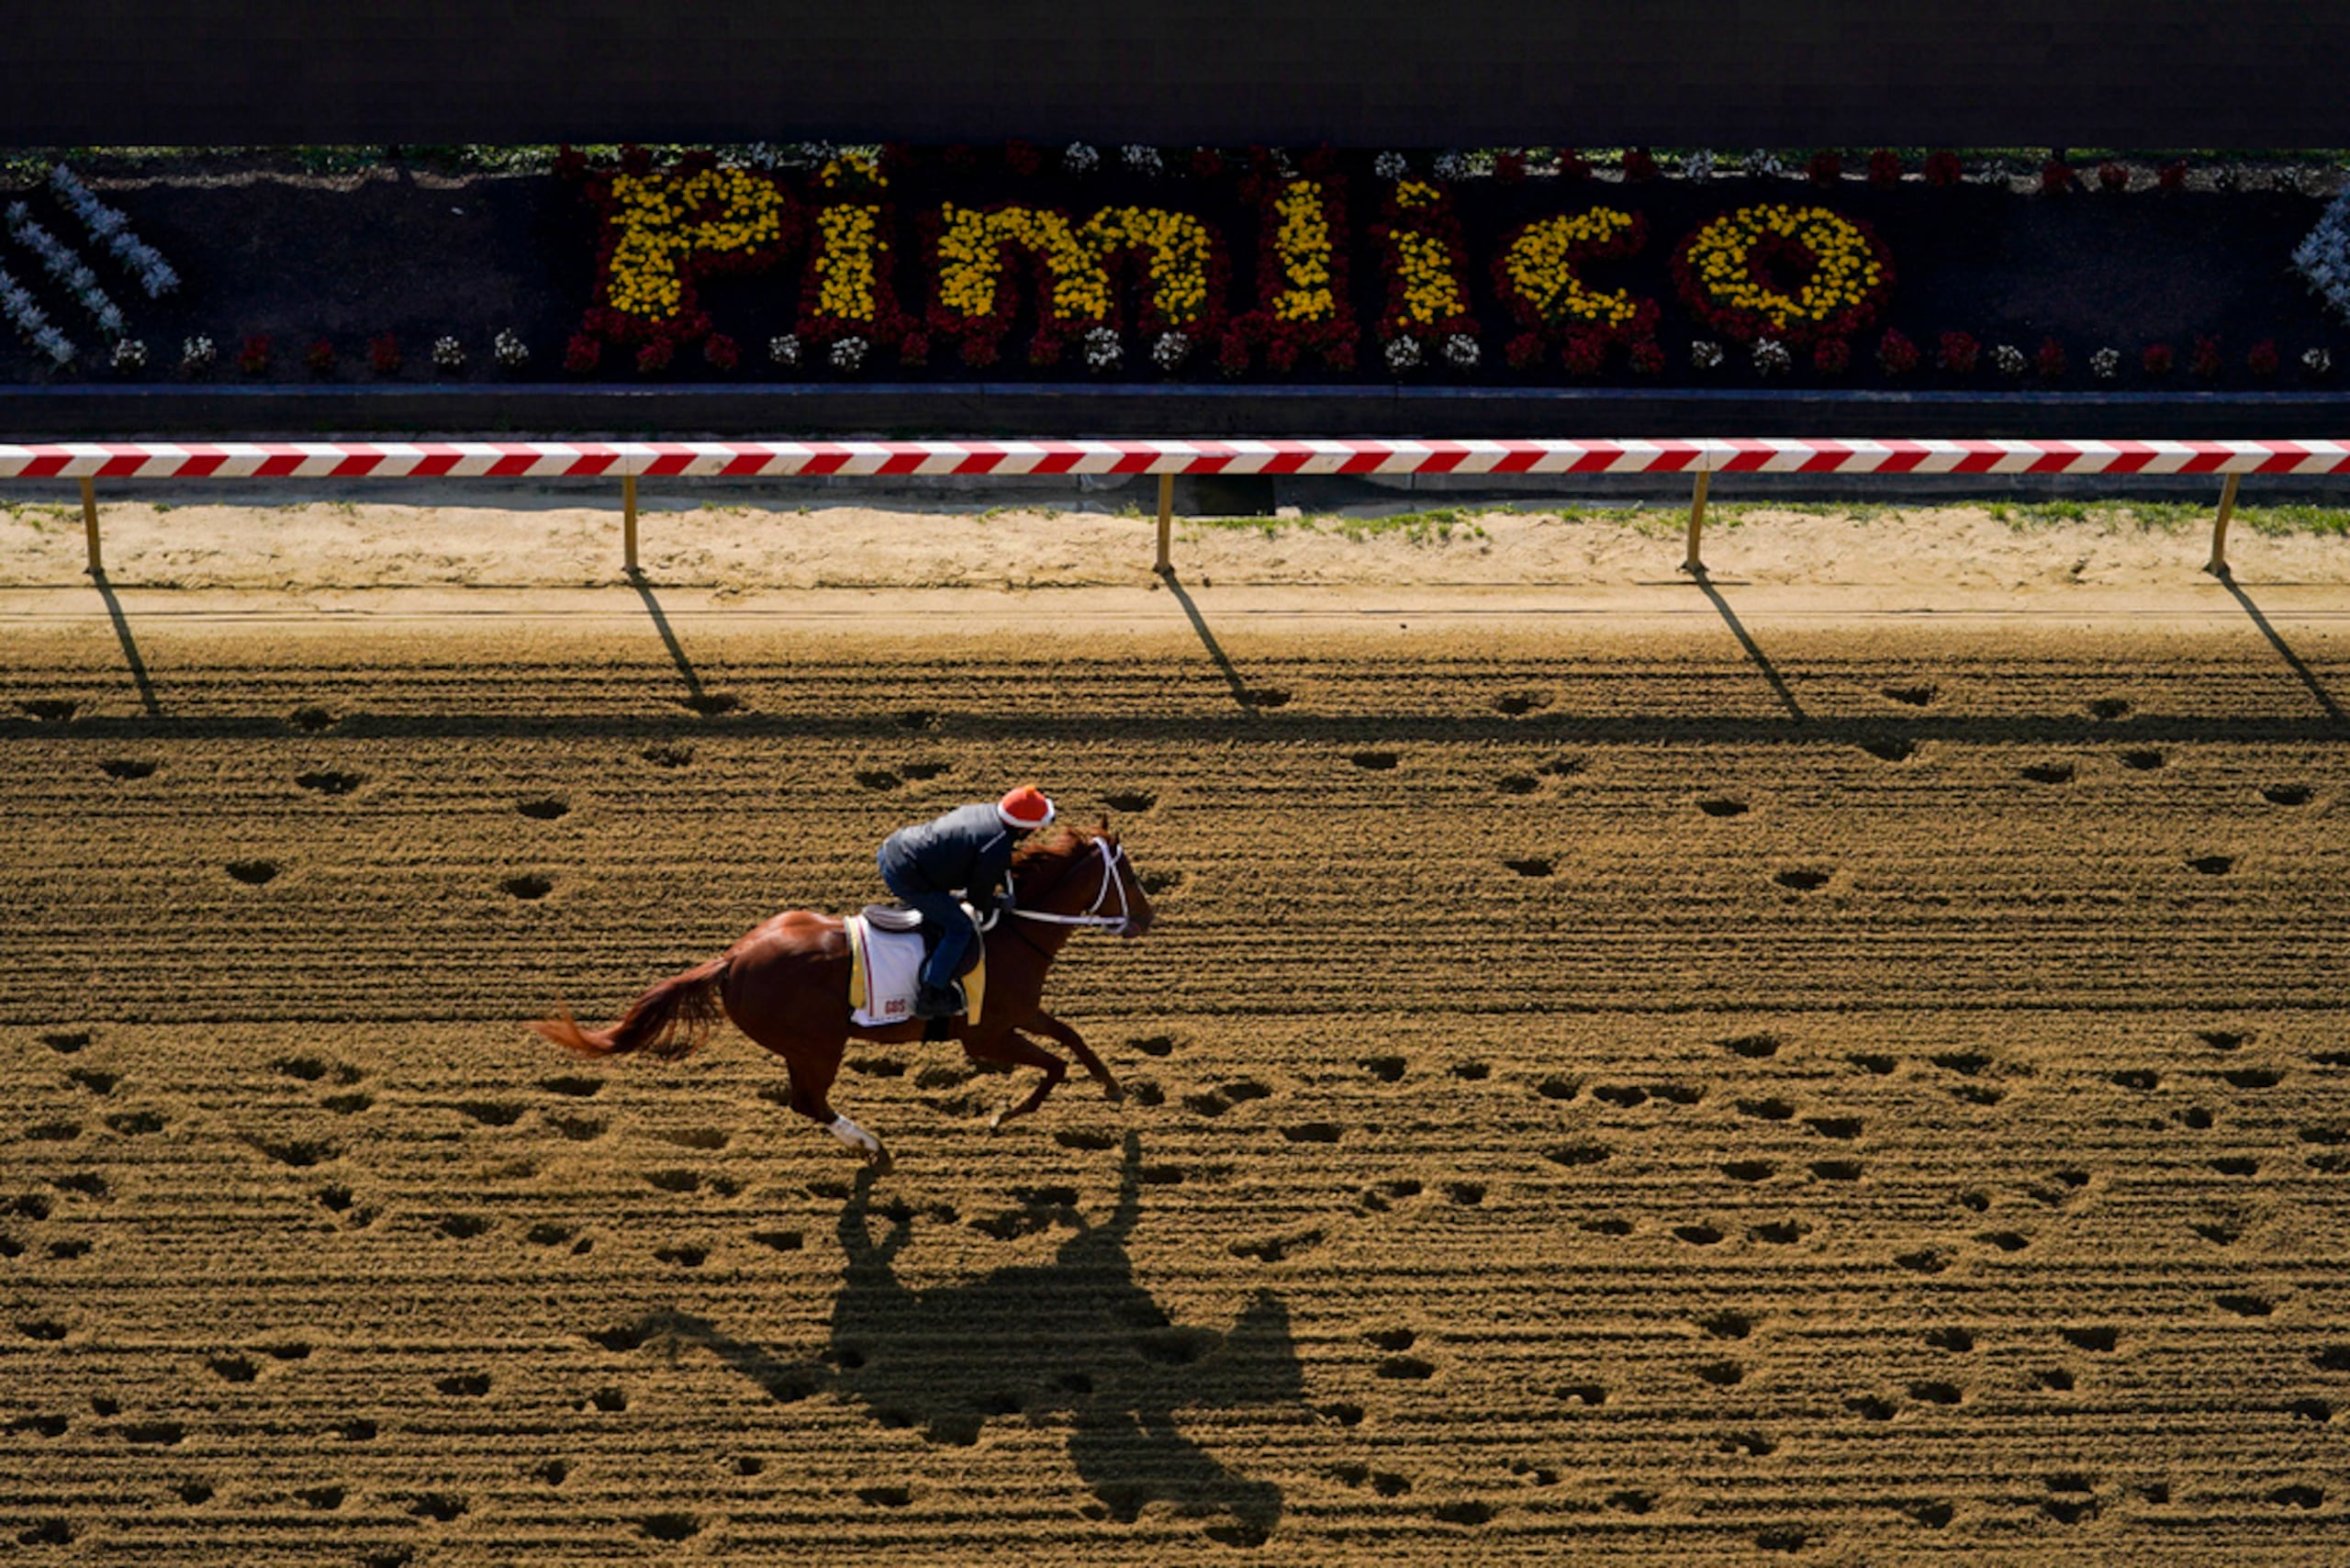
(786, 985)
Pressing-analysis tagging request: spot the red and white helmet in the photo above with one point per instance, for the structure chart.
(1024, 808)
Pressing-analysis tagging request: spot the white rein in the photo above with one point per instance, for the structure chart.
(1111, 860)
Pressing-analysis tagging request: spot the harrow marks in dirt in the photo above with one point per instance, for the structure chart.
(1588, 1097)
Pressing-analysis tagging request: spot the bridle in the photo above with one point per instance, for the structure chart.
(1112, 858)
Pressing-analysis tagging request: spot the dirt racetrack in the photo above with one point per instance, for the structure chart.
(1808, 1095)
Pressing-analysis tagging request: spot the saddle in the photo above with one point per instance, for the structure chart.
(888, 944)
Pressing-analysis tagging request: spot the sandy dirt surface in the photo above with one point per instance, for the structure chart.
(1804, 1080)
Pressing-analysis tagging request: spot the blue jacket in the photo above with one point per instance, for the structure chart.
(969, 848)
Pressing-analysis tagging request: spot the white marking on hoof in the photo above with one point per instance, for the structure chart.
(857, 1138)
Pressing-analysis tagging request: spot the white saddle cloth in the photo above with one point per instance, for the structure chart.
(890, 963)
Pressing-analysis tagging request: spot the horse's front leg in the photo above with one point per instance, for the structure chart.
(1072, 1041)
(1016, 1051)
(812, 1087)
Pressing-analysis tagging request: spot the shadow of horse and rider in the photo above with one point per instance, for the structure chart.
(1077, 1338)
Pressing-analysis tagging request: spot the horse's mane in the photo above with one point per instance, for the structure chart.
(1046, 860)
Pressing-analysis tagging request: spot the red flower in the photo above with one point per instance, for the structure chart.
(1826, 167)
(384, 354)
(1573, 165)
(2112, 177)
(1884, 167)
(582, 353)
(320, 357)
(2205, 361)
(1646, 357)
(1206, 163)
(1021, 157)
(721, 352)
(1832, 357)
(1896, 353)
(913, 349)
(2172, 176)
(2263, 359)
(960, 158)
(1524, 351)
(655, 357)
(1638, 164)
(635, 161)
(2050, 359)
(1509, 168)
(981, 350)
(2056, 177)
(1586, 352)
(1943, 170)
(1959, 352)
(253, 359)
(2156, 360)
(570, 163)
(1232, 354)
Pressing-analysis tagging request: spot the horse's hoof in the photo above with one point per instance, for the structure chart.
(1112, 1091)
(880, 1162)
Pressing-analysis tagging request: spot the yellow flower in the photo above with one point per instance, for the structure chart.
(1540, 264)
(1847, 268)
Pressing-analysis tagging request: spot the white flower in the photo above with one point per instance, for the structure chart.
(1704, 355)
(2323, 255)
(1770, 357)
(110, 229)
(1080, 158)
(848, 355)
(448, 354)
(66, 267)
(2317, 362)
(1143, 160)
(509, 349)
(1698, 167)
(1170, 351)
(2008, 360)
(1403, 353)
(2106, 363)
(785, 350)
(1451, 166)
(1390, 165)
(1102, 349)
(1461, 352)
(130, 354)
(1763, 161)
(197, 353)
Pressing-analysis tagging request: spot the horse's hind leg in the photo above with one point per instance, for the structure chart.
(1071, 1040)
(811, 1086)
(1014, 1051)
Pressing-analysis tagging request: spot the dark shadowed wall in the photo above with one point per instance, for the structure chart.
(2133, 73)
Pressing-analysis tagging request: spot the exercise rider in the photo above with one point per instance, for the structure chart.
(966, 852)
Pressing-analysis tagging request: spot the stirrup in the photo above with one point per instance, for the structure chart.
(939, 1000)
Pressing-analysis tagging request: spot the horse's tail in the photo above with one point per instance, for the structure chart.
(668, 1021)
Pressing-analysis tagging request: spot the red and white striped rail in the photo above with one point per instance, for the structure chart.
(630, 461)
(761, 459)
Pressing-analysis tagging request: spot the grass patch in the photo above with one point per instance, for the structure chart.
(1441, 525)
(2171, 516)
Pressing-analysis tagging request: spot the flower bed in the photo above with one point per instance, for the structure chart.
(1531, 266)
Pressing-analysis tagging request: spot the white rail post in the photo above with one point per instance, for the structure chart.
(628, 521)
(1165, 564)
(2218, 565)
(90, 526)
(1696, 563)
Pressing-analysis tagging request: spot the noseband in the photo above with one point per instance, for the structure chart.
(1111, 860)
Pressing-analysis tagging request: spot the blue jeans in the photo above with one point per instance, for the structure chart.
(943, 912)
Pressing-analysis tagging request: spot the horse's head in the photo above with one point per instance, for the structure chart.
(1094, 882)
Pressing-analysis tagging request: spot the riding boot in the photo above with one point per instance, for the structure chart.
(938, 1000)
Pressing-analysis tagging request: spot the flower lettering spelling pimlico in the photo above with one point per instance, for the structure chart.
(1540, 274)
(664, 220)
(1793, 274)
(1074, 265)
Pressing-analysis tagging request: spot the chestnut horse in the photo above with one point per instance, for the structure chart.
(786, 986)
